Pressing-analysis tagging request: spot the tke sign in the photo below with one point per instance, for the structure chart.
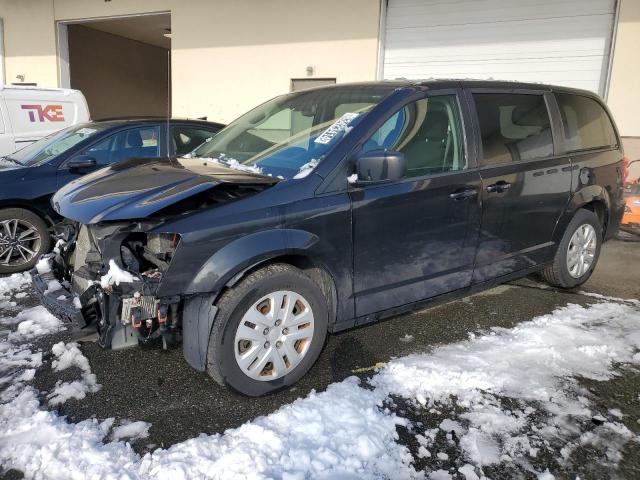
(43, 113)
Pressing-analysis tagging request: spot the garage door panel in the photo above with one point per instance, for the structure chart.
(407, 14)
(567, 44)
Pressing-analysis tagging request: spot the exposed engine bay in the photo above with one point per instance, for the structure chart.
(115, 270)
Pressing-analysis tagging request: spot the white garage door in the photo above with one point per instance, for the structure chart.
(562, 42)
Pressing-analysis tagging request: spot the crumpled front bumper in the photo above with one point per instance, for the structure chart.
(60, 302)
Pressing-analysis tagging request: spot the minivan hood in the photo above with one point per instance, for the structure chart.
(139, 187)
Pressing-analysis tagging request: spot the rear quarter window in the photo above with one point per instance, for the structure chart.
(586, 124)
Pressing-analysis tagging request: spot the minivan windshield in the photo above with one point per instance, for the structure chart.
(53, 145)
(290, 135)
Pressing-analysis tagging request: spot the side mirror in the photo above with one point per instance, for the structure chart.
(379, 166)
(81, 161)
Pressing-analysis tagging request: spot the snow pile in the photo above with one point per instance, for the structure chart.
(8, 285)
(131, 430)
(17, 281)
(69, 355)
(307, 168)
(116, 276)
(333, 434)
(44, 445)
(535, 362)
(34, 322)
(53, 286)
(44, 265)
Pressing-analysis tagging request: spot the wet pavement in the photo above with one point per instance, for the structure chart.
(157, 386)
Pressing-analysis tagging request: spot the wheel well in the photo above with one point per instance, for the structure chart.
(600, 209)
(36, 211)
(318, 273)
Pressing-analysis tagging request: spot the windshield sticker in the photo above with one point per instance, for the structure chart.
(338, 126)
(86, 131)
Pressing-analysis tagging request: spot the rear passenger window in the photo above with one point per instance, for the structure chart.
(586, 124)
(513, 127)
(133, 143)
(429, 134)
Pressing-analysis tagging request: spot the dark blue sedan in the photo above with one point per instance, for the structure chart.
(30, 176)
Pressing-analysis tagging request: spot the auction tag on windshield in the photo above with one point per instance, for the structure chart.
(337, 127)
(86, 131)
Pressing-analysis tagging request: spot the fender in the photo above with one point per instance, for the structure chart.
(587, 194)
(241, 254)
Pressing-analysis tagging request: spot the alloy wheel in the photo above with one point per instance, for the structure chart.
(581, 250)
(19, 242)
(274, 335)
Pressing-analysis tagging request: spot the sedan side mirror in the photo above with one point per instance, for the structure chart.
(379, 166)
(81, 161)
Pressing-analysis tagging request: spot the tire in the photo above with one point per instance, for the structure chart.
(20, 259)
(558, 273)
(254, 299)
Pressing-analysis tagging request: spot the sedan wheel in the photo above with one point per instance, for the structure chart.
(23, 238)
(19, 242)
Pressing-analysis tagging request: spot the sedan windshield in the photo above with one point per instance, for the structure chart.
(53, 145)
(289, 135)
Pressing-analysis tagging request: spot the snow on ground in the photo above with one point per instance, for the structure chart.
(10, 284)
(131, 430)
(351, 429)
(66, 356)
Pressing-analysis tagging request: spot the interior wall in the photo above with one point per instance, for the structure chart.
(118, 76)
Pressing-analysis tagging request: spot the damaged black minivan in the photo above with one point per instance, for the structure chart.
(333, 207)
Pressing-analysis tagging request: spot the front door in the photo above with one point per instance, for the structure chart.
(525, 187)
(416, 238)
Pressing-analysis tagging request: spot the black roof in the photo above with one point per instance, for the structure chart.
(458, 83)
(142, 120)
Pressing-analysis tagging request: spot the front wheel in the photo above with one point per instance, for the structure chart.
(23, 238)
(577, 253)
(269, 331)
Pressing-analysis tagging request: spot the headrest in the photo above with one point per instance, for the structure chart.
(436, 125)
(134, 139)
(530, 115)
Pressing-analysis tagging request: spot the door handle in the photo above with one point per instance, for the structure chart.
(463, 193)
(499, 187)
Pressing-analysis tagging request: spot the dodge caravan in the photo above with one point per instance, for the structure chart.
(334, 207)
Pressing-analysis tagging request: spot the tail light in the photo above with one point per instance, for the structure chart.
(625, 169)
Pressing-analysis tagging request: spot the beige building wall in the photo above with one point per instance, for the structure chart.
(29, 41)
(624, 87)
(227, 56)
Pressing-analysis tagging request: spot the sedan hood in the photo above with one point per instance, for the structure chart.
(137, 188)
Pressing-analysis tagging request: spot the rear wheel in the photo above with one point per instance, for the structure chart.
(23, 238)
(577, 253)
(269, 331)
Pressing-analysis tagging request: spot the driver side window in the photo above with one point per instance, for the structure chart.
(132, 143)
(429, 134)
